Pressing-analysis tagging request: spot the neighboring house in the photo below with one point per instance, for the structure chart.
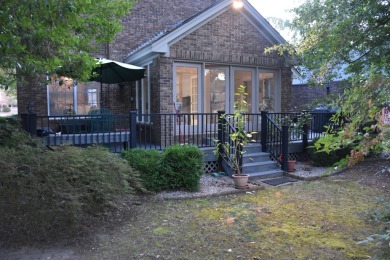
(196, 54)
(308, 97)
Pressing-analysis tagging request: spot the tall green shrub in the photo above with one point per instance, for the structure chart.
(148, 163)
(183, 166)
(46, 193)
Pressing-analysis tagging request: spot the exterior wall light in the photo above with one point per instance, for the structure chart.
(237, 4)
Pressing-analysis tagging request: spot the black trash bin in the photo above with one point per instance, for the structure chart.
(321, 116)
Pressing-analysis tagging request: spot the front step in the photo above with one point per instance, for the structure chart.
(258, 164)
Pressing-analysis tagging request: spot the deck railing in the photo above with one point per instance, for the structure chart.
(157, 131)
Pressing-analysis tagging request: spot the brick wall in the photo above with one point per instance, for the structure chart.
(228, 38)
(149, 17)
(303, 95)
(30, 89)
(286, 91)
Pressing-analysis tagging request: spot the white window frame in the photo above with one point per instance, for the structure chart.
(75, 104)
(231, 88)
(140, 89)
(278, 88)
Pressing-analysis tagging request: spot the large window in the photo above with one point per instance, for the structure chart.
(216, 90)
(187, 89)
(71, 99)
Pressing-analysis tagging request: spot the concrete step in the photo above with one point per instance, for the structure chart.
(259, 166)
(252, 148)
(266, 174)
(255, 157)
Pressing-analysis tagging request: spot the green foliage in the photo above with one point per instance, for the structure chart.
(11, 135)
(45, 193)
(331, 35)
(358, 120)
(328, 158)
(183, 166)
(232, 150)
(177, 167)
(41, 36)
(350, 38)
(148, 163)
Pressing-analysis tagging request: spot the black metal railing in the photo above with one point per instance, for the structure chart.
(161, 130)
(112, 131)
(157, 131)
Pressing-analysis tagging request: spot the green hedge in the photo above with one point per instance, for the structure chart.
(148, 163)
(178, 167)
(183, 166)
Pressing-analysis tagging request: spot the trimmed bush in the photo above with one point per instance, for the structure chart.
(183, 166)
(148, 163)
(179, 167)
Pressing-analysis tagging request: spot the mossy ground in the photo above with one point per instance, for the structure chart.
(322, 219)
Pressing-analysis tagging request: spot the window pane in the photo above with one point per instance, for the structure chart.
(61, 99)
(186, 90)
(87, 99)
(215, 89)
(267, 91)
(243, 78)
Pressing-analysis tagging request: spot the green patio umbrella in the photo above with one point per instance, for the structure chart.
(113, 72)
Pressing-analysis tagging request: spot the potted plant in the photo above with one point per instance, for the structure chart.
(232, 151)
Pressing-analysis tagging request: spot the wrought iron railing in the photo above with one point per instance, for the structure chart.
(157, 131)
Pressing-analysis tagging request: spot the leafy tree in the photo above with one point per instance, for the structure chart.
(40, 36)
(352, 38)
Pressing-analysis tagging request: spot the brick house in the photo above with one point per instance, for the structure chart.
(196, 54)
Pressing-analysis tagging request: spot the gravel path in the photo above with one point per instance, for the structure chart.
(221, 185)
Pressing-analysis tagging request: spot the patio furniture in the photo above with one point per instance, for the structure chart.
(101, 121)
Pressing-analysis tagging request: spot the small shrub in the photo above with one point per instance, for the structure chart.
(324, 159)
(183, 166)
(148, 163)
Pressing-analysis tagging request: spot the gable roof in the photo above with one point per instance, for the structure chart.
(161, 41)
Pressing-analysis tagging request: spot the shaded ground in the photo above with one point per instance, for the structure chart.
(322, 219)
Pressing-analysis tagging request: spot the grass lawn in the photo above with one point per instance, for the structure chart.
(322, 219)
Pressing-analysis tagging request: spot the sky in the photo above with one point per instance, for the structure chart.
(277, 9)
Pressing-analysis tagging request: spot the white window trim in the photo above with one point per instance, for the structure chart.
(139, 87)
(231, 87)
(200, 89)
(278, 88)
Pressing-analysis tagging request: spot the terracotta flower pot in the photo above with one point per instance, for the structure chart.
(291, 166)
(240, 181)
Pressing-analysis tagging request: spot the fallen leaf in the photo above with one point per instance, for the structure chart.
(230, 220)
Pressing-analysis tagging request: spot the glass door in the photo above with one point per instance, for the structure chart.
(243, 77)
(267, 91)
(187, 82)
